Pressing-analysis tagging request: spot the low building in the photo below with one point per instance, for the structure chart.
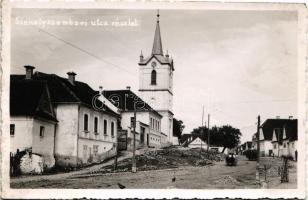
(77, 133)
(32, 119)
(272, 131)
(148, 121)
(197, 142)
(285, 140)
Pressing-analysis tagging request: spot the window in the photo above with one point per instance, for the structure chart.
(151, 122)
(95, 124)
(275, 146)
(95, 150)
(12, 129)
(112, 129)
(132, 121)
(284, 145)
(153, 77)
(85, 122)
(105, 127)
(42, 129)
(158, 126)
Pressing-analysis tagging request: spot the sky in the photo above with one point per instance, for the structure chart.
(237, 64)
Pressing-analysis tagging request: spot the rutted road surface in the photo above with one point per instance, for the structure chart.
(215, 176)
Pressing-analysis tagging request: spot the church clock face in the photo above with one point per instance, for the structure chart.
(153, 64)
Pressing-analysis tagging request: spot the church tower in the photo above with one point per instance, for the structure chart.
(156, 82)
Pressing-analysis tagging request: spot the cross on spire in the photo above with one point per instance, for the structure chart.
(157, 44)
(157, 16)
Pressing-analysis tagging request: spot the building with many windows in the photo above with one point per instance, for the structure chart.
(59, 116)
(148, 121)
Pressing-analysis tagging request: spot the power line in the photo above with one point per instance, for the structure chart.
(84, 51)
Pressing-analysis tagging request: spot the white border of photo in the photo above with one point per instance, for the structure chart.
(7, 192)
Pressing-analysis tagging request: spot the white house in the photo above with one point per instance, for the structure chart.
(76, 132)
(90, 134)
(32, 118)
(156, 83)
(270, 131)
(197, 142)
(148, 121)
(285, 140)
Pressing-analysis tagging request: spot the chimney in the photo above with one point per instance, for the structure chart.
(167, 54)
(278, 117)
(290, 117)
(71, 77)
(29, 71)
(141, 57)
(128, 87)
(100, 90)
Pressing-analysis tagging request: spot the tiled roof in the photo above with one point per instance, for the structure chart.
(62, 91)
(124, 100)
(30, 98)
(270, 125)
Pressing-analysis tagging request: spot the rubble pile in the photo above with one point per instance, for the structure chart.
(167, 158)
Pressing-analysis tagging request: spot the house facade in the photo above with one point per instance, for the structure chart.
(278, 137)
(148, 121)
(197, 142)
(75, 132)
(285, 140)
(32, 119)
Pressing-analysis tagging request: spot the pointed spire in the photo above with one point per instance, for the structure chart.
(157, 44)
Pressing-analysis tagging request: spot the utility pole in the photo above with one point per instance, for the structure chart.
(116, 158)
(258, 151)
(202, 129)
(208, 132)
(134, 168)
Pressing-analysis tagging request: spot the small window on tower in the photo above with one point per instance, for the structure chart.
(153, 77)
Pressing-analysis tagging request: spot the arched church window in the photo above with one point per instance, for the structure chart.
(153, 77)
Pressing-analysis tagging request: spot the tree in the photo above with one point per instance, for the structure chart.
(178, 127)
(201, 132)
(229, 137)
(224, 136)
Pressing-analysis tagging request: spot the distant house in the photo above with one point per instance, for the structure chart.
(148, 121)
(285, 140)
(197, 142)
(77, 133)
(272, 132)
(244, 147)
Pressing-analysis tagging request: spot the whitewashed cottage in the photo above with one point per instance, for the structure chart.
(32, 121)
(79, 134)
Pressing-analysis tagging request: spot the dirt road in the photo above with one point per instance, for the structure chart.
(215, 176)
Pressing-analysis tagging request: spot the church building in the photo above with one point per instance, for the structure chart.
(156, 83)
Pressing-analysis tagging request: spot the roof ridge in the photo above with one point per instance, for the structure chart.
(67, 88)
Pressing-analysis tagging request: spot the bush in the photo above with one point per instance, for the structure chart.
(251, 154)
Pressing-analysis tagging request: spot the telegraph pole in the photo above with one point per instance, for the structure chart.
(208, 132)
(202, 129)
(134, 168)
(258, 151)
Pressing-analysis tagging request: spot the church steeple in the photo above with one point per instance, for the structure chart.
(157, 44)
